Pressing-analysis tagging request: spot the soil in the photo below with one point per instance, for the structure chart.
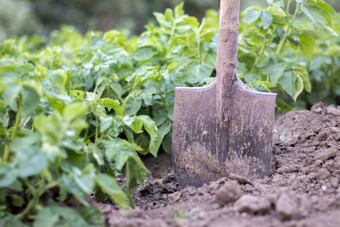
(302, 190)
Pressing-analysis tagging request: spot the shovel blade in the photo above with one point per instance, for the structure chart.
(204, 149)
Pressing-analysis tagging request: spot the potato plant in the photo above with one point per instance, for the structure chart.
(76, 111)
(277, 46)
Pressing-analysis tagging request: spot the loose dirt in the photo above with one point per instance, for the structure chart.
(302, 190)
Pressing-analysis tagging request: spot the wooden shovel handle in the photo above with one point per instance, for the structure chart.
(228, 42)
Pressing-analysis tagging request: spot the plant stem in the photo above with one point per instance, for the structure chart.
(331, 88)
(164, 102)
(264, 43)
(6, 153)
(198, 47)
(17, 119)
(288, 6)
(173, 29)
(263, 47)
(15, 130)
(97, 130)
(7, 142)
(287, 33)
(36, 196)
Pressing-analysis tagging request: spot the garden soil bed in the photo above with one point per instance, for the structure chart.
(302, 190)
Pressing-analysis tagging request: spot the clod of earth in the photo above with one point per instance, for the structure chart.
(252, 205)
(288, 206)
(228, 193)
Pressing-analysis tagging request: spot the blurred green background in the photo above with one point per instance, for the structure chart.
(19, 17)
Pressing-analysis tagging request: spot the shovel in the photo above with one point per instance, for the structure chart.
(225, 127)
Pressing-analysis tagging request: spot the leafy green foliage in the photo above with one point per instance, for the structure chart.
(282, 44)
(77, 111)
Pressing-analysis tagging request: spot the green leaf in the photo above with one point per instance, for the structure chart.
(266, 19)
(307, 45)
(2, 104)
(6, 65)
(282, 106)
(155, 135)
(274, 71)
(20, 143)
(68, 184)
(105, 123)
(101, 196)
(8, 176)
(165, 128)
(179, 10)
(263, 60)
(9, 221)
(11, 94)
(136, 126)
(143, 140)
(86, 182)
(279, 15)
(30, 98)
(119, 150)
(109, 185)
(166, 143)
(250, 77)
(197, 73)
(304, 75)
(132, 103)
(17, 201)
(73, 111)
(298, 87)
(278, 3)
(292, 83)
(145, 53)
(97, 42)
(92, 216)
(320, 17)
(30, 162)
(112, 104)
(54, 215)
(324, 6)
(16, 186)
(135, 173)
(192, 21)
(251, 15)
(262, 86)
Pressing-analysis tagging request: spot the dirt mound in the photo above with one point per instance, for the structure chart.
(302, 190)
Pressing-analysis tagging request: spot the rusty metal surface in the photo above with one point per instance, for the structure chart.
(225, 127)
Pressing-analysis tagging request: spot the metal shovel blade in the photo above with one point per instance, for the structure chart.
(225, 127)
(204, 150)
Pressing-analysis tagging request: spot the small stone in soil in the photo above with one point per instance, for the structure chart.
(228, 193)
(333, 110)
(240, 179)
(252, 205)
(287, 206)
(322, 174)
(174, 197)
(334, 182)
(136, 213)
(326, 155)
(170, 188)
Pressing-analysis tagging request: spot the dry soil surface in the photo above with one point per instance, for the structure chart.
(302, 190)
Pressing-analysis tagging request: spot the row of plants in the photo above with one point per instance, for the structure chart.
(76, 111)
